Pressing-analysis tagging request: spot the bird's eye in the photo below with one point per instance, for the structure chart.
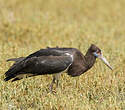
(98, 52)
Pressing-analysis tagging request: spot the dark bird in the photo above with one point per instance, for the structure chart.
(54, 61)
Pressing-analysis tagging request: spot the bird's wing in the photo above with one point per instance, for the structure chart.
(40, 65)
(43, 52)
(48, 52)
(48, 64)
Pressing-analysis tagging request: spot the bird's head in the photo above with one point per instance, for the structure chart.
(98, 54)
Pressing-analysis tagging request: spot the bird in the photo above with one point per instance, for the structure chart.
(54, 61)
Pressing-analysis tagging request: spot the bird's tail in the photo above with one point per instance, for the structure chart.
(14, 70)
(9, 77)
(16, 59)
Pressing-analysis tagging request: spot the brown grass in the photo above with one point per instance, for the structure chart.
(26, 26)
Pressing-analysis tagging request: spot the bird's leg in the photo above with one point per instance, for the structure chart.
(55, 80)
(57, 76)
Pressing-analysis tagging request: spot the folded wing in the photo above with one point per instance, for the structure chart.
(39, 66)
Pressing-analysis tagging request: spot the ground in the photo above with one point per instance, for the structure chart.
(27, 26)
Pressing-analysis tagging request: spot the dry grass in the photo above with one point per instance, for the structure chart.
(26, 26)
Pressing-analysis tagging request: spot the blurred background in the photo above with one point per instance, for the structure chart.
(29, 25)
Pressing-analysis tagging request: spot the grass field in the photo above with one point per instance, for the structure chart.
(29, 25)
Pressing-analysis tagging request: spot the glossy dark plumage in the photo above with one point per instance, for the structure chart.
(51, 61)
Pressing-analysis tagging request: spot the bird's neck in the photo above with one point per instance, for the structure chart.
(90, 59)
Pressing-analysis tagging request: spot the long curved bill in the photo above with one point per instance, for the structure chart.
(105, 61)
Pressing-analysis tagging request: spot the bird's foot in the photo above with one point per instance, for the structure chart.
(51, 87)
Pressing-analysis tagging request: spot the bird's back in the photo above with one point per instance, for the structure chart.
(52, 52)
